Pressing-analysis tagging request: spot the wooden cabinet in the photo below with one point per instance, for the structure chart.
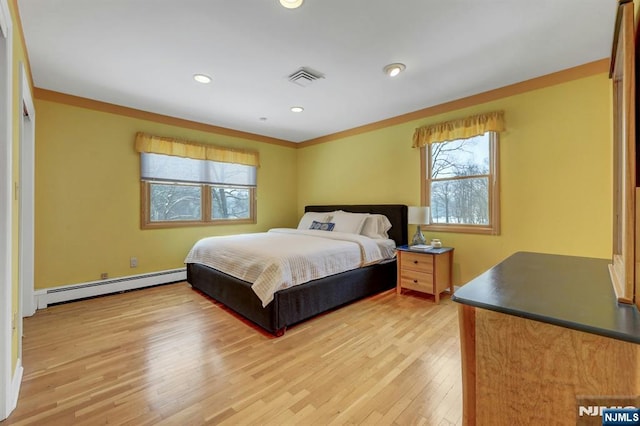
(426, 271)
(543, 335)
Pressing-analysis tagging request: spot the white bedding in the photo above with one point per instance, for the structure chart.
(284, 257)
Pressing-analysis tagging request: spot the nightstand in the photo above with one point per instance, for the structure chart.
(425, 270)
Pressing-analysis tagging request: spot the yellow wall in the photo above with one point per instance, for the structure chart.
(555, 184)
(555, 174)
(88, 196)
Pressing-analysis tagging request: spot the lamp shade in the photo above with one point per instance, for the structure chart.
(419, 215)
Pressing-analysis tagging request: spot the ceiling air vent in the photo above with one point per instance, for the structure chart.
(305, 76)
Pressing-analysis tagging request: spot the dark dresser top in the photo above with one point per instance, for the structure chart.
(568, 291)
(433, 250)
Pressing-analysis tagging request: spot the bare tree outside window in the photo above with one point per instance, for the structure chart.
(230, 203)
(173, 202)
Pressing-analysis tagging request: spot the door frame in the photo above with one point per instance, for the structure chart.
(27, 193)
(7, 398)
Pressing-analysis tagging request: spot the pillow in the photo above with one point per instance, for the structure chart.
(376, 226)
(309, 217)
(322, 226)
(348, 222)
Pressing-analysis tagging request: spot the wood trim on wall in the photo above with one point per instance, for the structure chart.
(77, 101)
(581, 71)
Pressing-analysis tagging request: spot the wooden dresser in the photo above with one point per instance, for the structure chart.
(544, 341)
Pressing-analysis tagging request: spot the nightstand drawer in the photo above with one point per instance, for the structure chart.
(410, 275)
(417, 262)
(417, 281)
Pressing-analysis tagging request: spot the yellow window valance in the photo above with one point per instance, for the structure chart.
(179, 148)
(459, 129)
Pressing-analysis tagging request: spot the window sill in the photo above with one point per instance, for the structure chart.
(463, 229)
(169, 225)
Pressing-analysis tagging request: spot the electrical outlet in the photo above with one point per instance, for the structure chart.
(133, 262)
(104, 276)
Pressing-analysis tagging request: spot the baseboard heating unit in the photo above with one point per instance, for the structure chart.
(68, 293)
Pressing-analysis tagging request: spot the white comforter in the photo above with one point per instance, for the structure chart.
(284, 257)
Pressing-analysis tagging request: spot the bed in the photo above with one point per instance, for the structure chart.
(300, 302)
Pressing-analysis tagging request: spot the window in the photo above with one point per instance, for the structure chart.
(182, 191)
(461, 184)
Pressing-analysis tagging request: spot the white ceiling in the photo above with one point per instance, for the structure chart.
(143, 53)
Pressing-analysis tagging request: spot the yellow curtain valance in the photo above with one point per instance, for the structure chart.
(169, 146)
(459, 129)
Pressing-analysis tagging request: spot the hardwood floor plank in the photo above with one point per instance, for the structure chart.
(168, 355)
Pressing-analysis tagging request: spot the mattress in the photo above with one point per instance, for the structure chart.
(282, 257)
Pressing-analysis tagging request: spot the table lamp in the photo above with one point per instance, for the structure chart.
(418, 215)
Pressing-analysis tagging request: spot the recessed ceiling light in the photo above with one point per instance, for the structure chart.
(202, 78)
(297, 109)
(291, 4)
(393, 70)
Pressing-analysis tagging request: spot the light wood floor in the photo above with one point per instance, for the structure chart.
(170, 356)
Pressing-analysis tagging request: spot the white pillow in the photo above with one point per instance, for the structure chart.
(348, 222)
(376, 226)
(309, 217)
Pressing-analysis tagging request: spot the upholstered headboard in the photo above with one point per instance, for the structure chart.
(396, 213)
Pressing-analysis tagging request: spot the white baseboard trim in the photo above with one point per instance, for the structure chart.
(67, 293)
(15, 386)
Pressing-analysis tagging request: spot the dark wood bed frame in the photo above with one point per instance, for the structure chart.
(298, 303)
